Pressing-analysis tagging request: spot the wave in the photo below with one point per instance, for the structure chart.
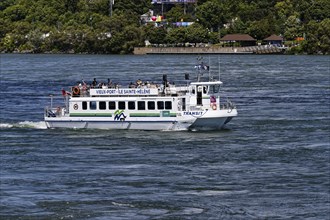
(24, 124)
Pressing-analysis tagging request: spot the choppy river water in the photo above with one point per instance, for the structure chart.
(271, 162)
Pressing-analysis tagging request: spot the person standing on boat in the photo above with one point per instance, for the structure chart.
(109, 83)
(94, 83)
(131, 85)
(84, 88)
(138, 83)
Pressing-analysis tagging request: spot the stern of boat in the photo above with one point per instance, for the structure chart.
(53, 114)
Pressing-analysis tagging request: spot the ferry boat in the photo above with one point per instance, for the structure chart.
(196, 105)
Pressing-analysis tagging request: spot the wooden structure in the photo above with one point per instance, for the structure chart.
(242, 40)
(274, 39)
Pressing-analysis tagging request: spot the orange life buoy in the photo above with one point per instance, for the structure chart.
(76, 90)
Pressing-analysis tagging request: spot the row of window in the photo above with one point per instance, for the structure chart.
(130, 105)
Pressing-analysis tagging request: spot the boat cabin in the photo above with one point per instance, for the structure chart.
(165, 101)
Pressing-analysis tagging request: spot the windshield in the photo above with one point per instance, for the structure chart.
(214, 89)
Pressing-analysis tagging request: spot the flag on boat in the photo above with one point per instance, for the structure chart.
(202, 66)
(65, 93)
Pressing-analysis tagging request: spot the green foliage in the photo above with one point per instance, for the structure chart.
(262, 28)
(176, 35)
(155, 35)
(136, 7)
(236, 26)
(320, 39)
(85, 26)
(196, 33)
(212, 15)
(15, 13)
(6, 3)
(177, 14)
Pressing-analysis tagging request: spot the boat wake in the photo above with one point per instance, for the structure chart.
(24, 124)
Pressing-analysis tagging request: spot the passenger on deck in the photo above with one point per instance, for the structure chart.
(84, 89)
(94, 83)
(153, 85)
(109, 83)
(103, 86)
(138, 83)
(131, 85)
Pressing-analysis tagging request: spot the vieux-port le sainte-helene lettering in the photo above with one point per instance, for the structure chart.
(123, 91)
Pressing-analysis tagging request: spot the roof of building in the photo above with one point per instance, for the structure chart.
(274, 37)
(237, 37)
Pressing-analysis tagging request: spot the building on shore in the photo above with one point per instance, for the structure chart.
(274, 39)
(242, 40)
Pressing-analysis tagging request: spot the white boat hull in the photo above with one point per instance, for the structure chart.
(209, 120)
(118, 125)
(213, 120)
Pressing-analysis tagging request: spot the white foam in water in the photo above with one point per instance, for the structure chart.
(6, 125)
(25, 124)
(32, 124)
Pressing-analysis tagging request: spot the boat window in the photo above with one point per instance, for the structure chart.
(168, 105)
(112, 105)
(102, 105)
(141, 105)
(204, 89)
(160, 105)
(131, 105)
(121, 105)
(151, 105)
(215, 88)
(84, 105)
(92, 105)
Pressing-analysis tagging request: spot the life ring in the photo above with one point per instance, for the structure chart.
(76, 90)
(75, 106)
(214, 107)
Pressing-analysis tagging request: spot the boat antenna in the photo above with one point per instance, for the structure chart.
(219, 66)
(199, 67)
(209, 69)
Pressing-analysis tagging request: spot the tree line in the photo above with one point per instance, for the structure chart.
(87, 26)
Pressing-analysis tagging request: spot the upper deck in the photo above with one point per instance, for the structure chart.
(153, 90)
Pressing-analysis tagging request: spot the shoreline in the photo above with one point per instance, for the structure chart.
(262, 49)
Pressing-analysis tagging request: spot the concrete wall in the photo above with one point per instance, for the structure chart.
(187, 50)
(264, 49)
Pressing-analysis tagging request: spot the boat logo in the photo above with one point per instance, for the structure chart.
(119, 115)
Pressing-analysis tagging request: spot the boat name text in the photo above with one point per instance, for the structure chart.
(124, 92)
(192, 113)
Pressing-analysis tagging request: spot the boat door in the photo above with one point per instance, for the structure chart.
(199, 95)
(182, 104)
